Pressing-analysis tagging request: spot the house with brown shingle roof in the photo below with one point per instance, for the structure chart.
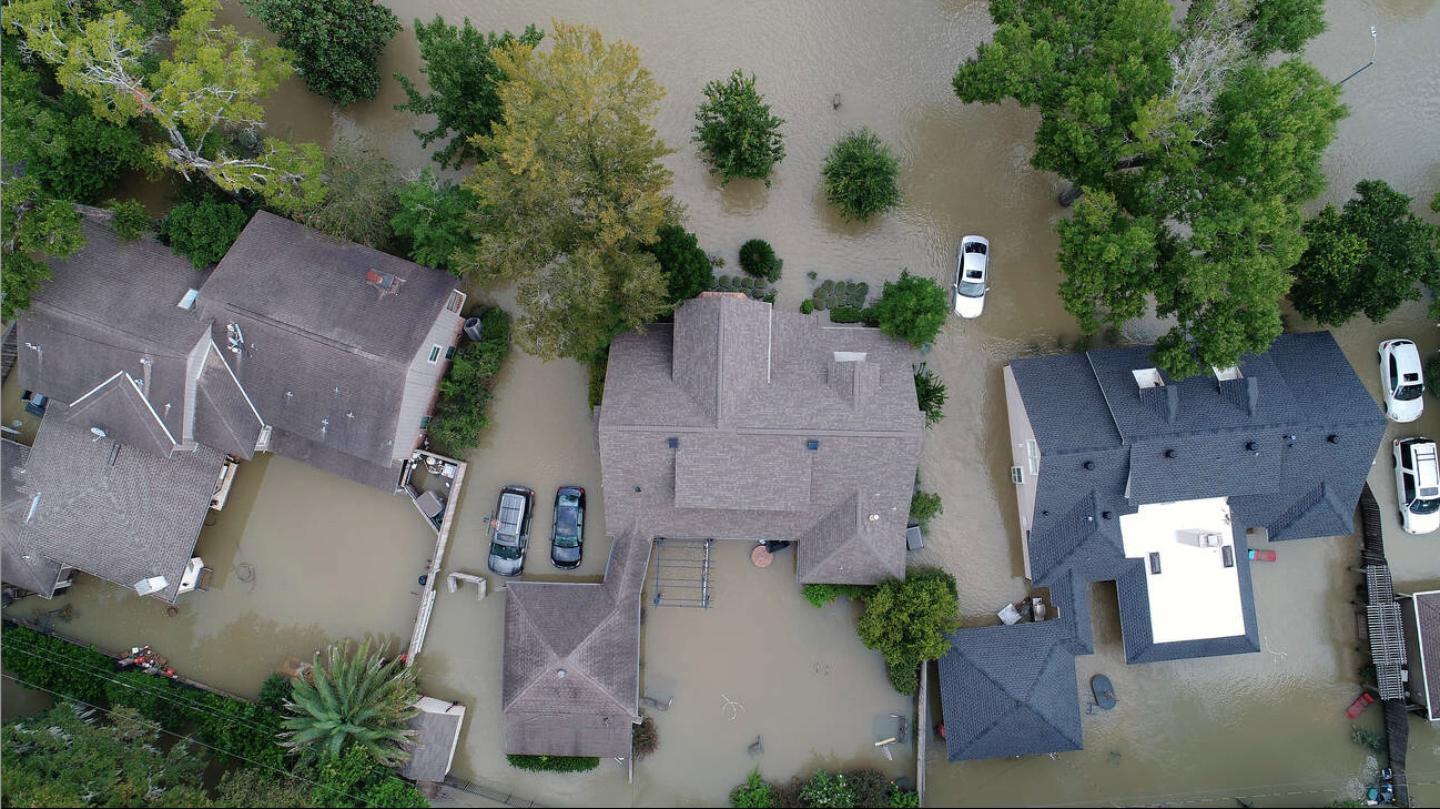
(296, 343)
(741, 422)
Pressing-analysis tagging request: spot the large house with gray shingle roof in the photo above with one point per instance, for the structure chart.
(1125, 474)
(741, 422)
(296, 343)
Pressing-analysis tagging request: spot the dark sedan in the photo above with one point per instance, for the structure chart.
(567, 538)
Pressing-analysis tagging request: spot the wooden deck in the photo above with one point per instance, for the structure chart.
(432, 575)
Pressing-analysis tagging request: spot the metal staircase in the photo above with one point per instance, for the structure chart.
(682, 573)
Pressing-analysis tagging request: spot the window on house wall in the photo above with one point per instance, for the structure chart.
(424, 422)
(450, 353)
(434, 354)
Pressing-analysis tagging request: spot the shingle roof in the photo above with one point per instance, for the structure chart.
(437, 733)
(572, 659)
(20, 563)
(706, 427)
(113, 510)
(1427, 612)
(1010, 691)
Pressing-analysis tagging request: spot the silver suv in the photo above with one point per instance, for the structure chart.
(510, 530)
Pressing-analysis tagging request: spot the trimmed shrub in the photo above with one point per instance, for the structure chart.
(644, 738)
(862, 176)
(807, 306)
(554, 763)
(847, 314)
(596, 384)
(755, 793)
(841, 293)
(758, 258)
(203, 231)
(930, 393)
(130, 220)
(687, 269)
(821, 594)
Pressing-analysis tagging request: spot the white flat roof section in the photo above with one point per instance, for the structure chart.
(1194, 596)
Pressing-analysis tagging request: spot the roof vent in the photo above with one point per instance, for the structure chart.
(1251, 446)
(385, 283)
(812, 444)
(672, 442)
(1088, 465)
(1227, 373)
(1170, 453)
(1333, 438)
(1107, 515)
(188, 302)
(560, 674)
(1148, 378)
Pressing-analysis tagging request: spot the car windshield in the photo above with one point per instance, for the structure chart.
(1408, 393)
(567, 526)
(1426, 506)
(975, 247)
(504, 551)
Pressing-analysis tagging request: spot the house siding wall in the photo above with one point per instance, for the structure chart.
(194, 363)
(422, 379)
(1022, 435)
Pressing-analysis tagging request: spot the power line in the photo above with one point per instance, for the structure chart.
(156, 725)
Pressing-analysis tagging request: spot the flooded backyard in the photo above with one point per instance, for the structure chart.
(302, 557)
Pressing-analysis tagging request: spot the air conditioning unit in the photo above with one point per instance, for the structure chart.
(1201, 538)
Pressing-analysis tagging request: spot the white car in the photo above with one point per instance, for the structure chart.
(1417, 484)
(1400, 376)
(972, 276)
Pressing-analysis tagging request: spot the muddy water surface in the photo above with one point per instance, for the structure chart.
(331, 559)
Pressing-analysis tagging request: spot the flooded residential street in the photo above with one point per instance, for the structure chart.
(302, 557)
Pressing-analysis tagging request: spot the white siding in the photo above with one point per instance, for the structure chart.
(421, 380)
(1024, 453)
(194, 364)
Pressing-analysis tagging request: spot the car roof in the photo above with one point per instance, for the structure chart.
(1406, 355)
(512, 511)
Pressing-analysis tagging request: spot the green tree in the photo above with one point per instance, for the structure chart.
(930, 393)
(459, 65)
(909, 621)
(69, 152)
(203, 231)
(35, 228)
(338, 42)
(352, 696)
(355, 778)
(1370, 257)
(686, 267)
(68, 757)
(362, 195)
(246, 787)
(207, 87)
(755, 793)
(862, 176)
(1197, 148)
(924, 507)
(129, 219)
(911, 309)
(573, 193)
(738, 135)
(430, 219)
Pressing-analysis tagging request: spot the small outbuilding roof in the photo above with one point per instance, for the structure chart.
(437, 733)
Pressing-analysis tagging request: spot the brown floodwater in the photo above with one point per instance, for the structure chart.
(332, 559)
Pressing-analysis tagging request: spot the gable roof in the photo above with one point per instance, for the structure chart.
(738, 421)
(114, 510)
(1010, 691)
(572, 659)
(20, 562)
(437, 733)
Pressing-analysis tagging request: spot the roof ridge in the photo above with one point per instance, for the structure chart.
(1044, 665)
(539, 671)
(301, 331)
(594, 681)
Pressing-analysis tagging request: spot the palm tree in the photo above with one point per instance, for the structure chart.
(353, 697)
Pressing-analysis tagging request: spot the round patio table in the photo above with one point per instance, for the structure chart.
(761, 557)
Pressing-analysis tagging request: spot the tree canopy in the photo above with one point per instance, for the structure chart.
(1369, 257)
(352, 697)
(687, 269)
(909, 621)
(34, 227)
(203, 230)
(912, 308)
(861, 176)
(1194, 150)
(738, 135)
(430, 219)
(362, 195)
(203, 92)
(459, 65)
(337, 42)
(572, 194)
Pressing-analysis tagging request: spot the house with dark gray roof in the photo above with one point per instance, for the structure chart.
(1420, 617)
(1126, 475)
(741, 422)
(296, 343)
(572, 659)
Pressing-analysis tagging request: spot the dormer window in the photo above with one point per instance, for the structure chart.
(1148, 378)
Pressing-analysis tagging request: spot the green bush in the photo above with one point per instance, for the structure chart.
(469, 385)
(430, 219)
(129, 219)
(755, 793)
(841, 293)
(337, 43)
(827, 789)
(353, 774)
(912, 309)
(49, 663)
(807, 306)
(870, 787)
(595, 388)
(152, 696)
(1432, 374)
(758, 258)
(554, 763)
(910, 621)
(930, 393)
(903, 798)
(274, 691)
(924, 507)
(821, 594)
(753, 287)
(846, 314)
(738, 136)
(687, 269)
(644, 738)
(203, 231)
(862, 176)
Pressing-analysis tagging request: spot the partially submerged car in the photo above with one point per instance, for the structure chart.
(1417, 484)
(1400, 377)
(510, 530)
(972, 276)
(567, 537)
